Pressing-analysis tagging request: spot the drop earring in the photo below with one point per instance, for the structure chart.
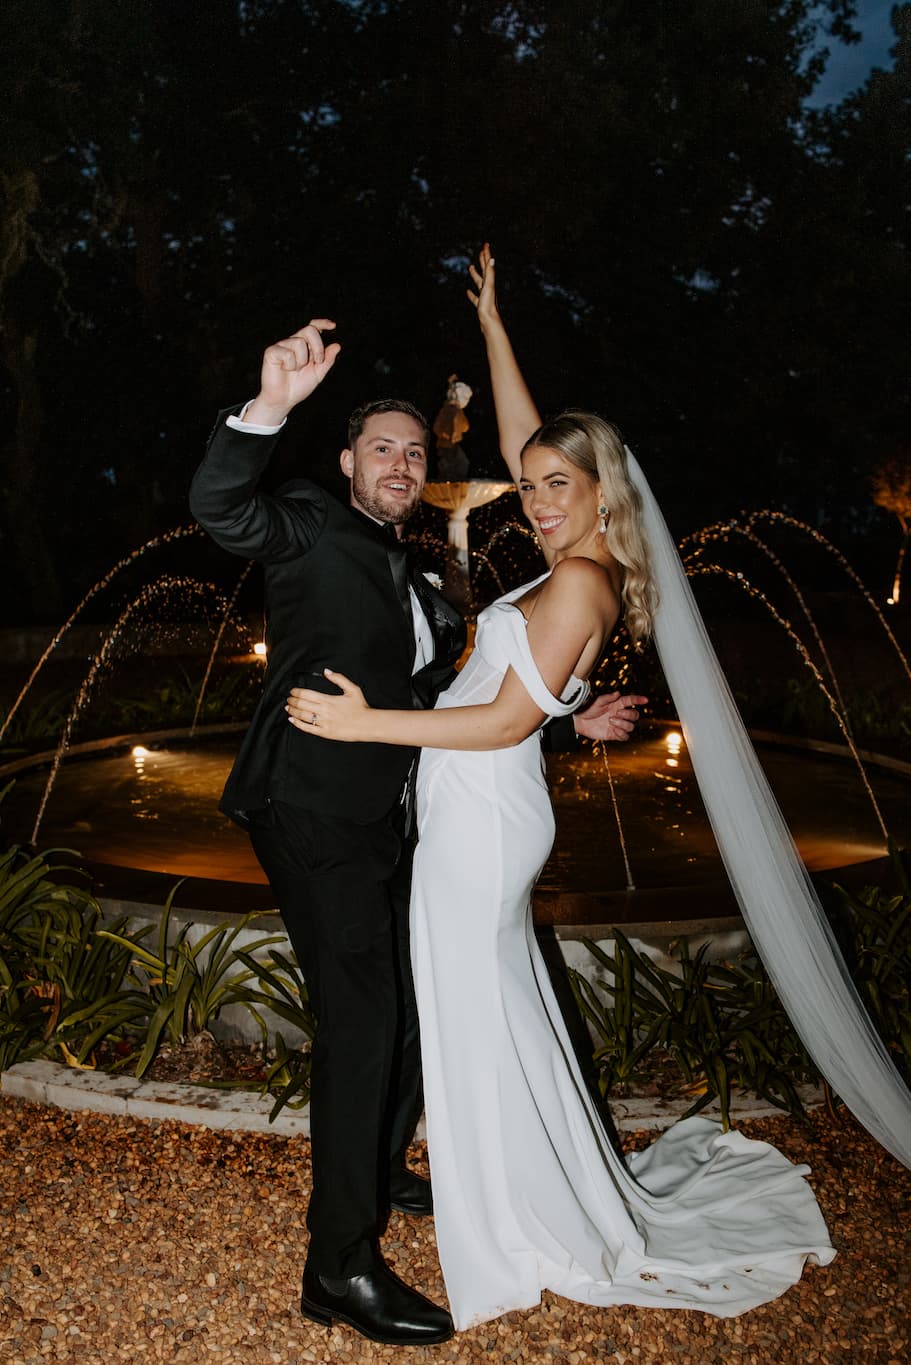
(602, 512)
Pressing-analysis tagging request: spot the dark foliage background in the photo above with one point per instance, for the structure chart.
(683, 244)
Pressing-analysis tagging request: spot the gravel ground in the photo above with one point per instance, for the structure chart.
(129, 1241)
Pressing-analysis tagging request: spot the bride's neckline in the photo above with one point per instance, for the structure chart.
(524, 589)
(514, 606)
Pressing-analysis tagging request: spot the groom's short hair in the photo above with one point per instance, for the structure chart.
(358, 419)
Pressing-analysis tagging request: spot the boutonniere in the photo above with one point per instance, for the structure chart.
(434, 580)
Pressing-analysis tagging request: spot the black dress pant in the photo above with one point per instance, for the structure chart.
(343, 892)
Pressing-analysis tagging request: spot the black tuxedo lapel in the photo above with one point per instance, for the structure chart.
(442, 618)
(397, 558)
(397, 554)
(446, 624)
(448, 630)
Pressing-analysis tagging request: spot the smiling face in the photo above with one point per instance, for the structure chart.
(561, 502)
(387, 466)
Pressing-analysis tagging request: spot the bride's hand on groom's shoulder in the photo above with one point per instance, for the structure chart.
(609, 717)
(341, 716)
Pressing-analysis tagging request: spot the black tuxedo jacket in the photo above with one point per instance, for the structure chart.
(331, 602)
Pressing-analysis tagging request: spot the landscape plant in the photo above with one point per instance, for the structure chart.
(796, 706)
(168, 701)
(284, 993)
(61, 985)
(36, 726)
(173, 698)
(187, 983)
(69, 983)
(720, 1024)
(874, 932)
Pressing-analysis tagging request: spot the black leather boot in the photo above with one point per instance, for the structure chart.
(410, 1193)
(378, 1305)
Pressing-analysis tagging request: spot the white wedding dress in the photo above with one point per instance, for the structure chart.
(528, 1191)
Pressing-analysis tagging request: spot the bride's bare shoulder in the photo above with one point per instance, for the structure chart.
(578, 574)
(578, 581)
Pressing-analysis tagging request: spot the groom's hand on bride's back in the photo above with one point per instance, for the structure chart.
(609, 717)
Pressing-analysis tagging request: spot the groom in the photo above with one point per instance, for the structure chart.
(329, 823)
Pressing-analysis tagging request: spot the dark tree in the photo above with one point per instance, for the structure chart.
(682, 245)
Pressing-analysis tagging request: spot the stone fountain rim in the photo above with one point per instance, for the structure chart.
(111, 743)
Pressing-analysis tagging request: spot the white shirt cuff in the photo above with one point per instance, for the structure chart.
(252, 428)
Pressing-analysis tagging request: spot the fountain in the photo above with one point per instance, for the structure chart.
(145, 814)
(456, 493)
(143, 809)
(146, 598)
(104, 582)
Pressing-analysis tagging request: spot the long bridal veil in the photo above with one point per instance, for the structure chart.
(776, 897)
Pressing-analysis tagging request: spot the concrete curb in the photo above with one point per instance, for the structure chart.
(65, 1087)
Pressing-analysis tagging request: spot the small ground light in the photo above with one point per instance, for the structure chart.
(139, 751)
(259, 649)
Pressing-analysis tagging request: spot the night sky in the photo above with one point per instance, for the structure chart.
(850, 65)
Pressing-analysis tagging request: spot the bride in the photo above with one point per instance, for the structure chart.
(528, 1191)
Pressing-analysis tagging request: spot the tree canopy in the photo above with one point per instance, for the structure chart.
(684, 246)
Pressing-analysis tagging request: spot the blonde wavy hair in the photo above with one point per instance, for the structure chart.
(596, 447)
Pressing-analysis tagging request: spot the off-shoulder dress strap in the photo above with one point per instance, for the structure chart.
(523, 664)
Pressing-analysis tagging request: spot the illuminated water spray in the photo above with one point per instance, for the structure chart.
(169, 537)
(167, 586)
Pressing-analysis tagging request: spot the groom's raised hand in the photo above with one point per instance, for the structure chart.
(291, 370)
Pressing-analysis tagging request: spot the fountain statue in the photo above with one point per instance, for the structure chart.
(456, 492)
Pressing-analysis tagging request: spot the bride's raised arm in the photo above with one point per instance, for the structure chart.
(517, 416)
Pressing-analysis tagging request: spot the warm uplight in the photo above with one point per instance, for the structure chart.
(139, 752)
(260, 649)
(673, 742)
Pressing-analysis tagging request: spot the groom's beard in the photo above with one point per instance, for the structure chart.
(382, 505)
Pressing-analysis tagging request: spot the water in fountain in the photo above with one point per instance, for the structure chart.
(169, 538)
(848, 568)
(181, 588)
(757, 595)
(481, 557)
(506, 553)
(723, 533)
(158, 812)
(497, 558)
(216, 644)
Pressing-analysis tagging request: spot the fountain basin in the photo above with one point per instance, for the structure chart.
(141, 810)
